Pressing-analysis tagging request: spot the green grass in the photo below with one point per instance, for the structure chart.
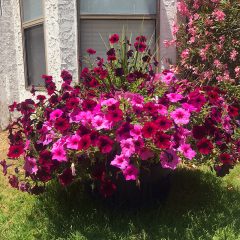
(199, 206)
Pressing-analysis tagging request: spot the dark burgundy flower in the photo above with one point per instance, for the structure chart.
(129, 53)
(88, 105)
(47, 78)
(62, 124)
(233, 111)
(225, 158)
(205, 146)
(41, 98)
(13, 106)
(140, 46)
(107, 188)
(72, 103)
(199, 132)
(91, 51)
(146, 58)
(105, 144)
(124, 130)
(213, 96)
(45, 159)
(119, 72)
(4, 165)
(149, 129)
(163, 123)
(15, 151)
(115, 116)
(85, 142)
(44, 174)
(54, 99)
(111, 54)
(66, 177)
(66, 76)
(131, 77)
(33, 90)
(216, 114)
(196, 99)
(94, 138)
(82, 130)
(51, 87)
(114, 38)
(141, 38)
(13, 180)
(162, 140)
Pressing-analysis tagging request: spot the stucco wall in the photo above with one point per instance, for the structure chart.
(61, 38)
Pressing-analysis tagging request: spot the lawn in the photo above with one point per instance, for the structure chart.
(198, 206)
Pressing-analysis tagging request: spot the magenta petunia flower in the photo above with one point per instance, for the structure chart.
(15, 151)
(180, 116)
(146, 154)
(55, 114)
(100, 122)
(72, 141)
(136, 132)
(163, 123)
(59, 154)
(187, 151)
(105, 144)
(149, 129)
(128, 147)
(114, 38)
(85, 142)
(30, 165)
(91, 51)
(130, 172)
(120, 161)
(169, 159)
(174, 97)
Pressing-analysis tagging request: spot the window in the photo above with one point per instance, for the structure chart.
(33, 35)
(101, 18)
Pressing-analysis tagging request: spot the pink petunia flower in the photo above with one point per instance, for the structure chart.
(30, 165)
(128, 147)
(100, 122)
(187, 151)
(130, 172)
(169, 159)
(180, 116)
(56, 114)
(120, 161)
(146, 153)
(136, 132)
(174, 97)
(59, 154)
(72, 142)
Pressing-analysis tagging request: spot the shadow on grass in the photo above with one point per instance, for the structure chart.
(198, 206)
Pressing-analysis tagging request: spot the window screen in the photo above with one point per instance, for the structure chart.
(105, 17)
(92, 29)
(32, 9)
(35, 54)
(33, 28)
(118, 6)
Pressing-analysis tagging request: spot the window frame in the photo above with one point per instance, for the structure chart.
(26, 25)
(91, 16)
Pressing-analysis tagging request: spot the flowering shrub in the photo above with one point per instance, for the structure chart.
(122, 118)
(208, 42)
